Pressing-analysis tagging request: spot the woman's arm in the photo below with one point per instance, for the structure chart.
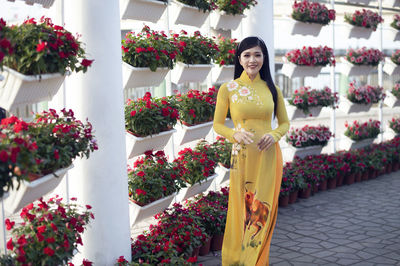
(221, 111)
(283, 120)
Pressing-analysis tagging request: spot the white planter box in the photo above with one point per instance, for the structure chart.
(143, 10)
(194, 190)
(138, 145)
(44, 3)
(302, 28)
(189, 73)
(294, 71)
(391, 100)
(349, 69)
(391, 3)
(394, 34)
(357, 32)
(346, 106)
(30, 191)
(223, 174)
(17, 89)
(138, 213)
(187, 134)
(134, 77)
(187, 15)
(221, 20)
(290, 152)
(390, 134)
(348, 144)
(222, 74)
(365, 2)
(293, 112)
(391, 68)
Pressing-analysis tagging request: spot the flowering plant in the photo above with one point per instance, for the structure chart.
(395, 124)
(196, 49)
(312, 12)
(396, 22)
(396, 57)
(308, 136)
(204, 5)
(224, 149)
(197, 107)
(234, 7)
(147, 116)
(292, 179)
(304, 98)
(364, 56)
(359, 131)
(226, 55)
(50, 233)
(45, 48)
(311, 56)
(151, 178)
(365, 18)
(149, 48)
(364, 94)
(210, 150)
(5, 45)
(396, 90)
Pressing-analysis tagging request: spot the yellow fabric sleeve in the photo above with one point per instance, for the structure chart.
(221, 110)
(283, 120)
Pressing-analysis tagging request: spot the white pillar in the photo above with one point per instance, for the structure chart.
(101, 180)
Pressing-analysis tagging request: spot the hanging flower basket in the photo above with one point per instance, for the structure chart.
(138, 213)
(348, 144)
(44, 3)
(18, 89)
(223, 174)
(293, 112)
(189, 73)
(187, 134)
(390, 134)
(391, 100)
(349, 69)
(222, 74)
(291, 152)
(391, 68)
(187, 15)
(134, 77)
(196, 189)
(302, 28)
(364, 2)
(394, 34)
(296, 71)
(357, 32)
(347, 106)
(221, 20)
(31, 191)
(138, 145)
(143, 10)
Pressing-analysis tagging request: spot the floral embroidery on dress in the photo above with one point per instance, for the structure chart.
(244, 91)
(234, 98)
(232, 85)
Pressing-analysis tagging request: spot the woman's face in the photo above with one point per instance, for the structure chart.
(252, 60)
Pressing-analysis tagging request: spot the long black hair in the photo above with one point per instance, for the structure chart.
(265, 72)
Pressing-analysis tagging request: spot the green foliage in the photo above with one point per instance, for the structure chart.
(234, 7)
(226, 54)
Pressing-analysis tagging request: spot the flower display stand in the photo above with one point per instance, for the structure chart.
(196, 189)
(391, 68)
(138, 145)
(18, 89)
(134, 77)
(394, 34)
(187, 134)
(189, 73)
(364, 2)
(187, 15)
(391, 100)
(143, 10)
(223, 174)
(295, 71)
(138, 213)
(222, 74)
(293, 112)
(291, 152)
(348, 144)
(349, 69)
(221, 20)
(302, 28)
(346, 106)
(357, 32)
(31, 191)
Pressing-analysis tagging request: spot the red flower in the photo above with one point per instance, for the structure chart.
(140, 192)
(88, 207)
(148, 153)
(9, 224)
(55, 229)
(41, 229)
(3, 156)
(40, 46)
(48, 251)
(40, 237)
(141, 174)
(86, 262)
(192, 259)
(160, 153)
(56, 154)
(50, 240)
(10, 245)
(133, 113)
(86, 62)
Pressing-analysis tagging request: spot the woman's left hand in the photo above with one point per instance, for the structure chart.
(265, 142)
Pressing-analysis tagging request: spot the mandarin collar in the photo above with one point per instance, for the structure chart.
(244, 77)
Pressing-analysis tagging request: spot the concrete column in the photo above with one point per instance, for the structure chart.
(101, 180)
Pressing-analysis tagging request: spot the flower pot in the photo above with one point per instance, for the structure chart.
(293, 196)
(284, 201)
(396, 166)
(372, 174)
(339, 180)
(186, 134)
(293, 112)
(189, 73)
(349, 144)
(195, 252)
(138, 145)
(44, 3)
(323, 185)
(357, 32)
(205, 248)
(221, 20)
(305, 193)
(350, 179)
(18, 89)
(30, 191)
(291, 152)
(138, 213)
(332, 183)
(304, 28)
(365, 176)
(196, 189)
(364, 2)
(187, 15)
(391, 100)
(388, 168)
(295, 71)
(222, 74)
(223, 174)
(346, 106)
(216, 242)
(393, 34)
(391, 68)
(134, 77)
(358, 177)
(314, 189)
(143, 10)
(349, 69)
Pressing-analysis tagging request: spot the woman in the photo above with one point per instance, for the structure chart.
(256, 168)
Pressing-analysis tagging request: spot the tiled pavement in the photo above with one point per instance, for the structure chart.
(351, 225)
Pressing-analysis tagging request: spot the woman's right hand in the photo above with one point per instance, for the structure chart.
(243, 137)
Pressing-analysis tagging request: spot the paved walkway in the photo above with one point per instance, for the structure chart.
(351, 225)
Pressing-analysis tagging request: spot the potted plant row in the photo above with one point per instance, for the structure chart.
(392, 98)
(358, 135)
(361, 98)
(362, 61)
(362, 23)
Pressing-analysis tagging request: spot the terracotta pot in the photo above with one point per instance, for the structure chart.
(195, 252)
(323, 185)
(340, 178)
(284, 201)
(205, 248)
(314, 189)
(396, 166)
(358, 177)
(350, 179)
(388, 168)
(216, 242)
(365, 176)
(372, 174)
(305, 193)
(332, 183)
(293, 196)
